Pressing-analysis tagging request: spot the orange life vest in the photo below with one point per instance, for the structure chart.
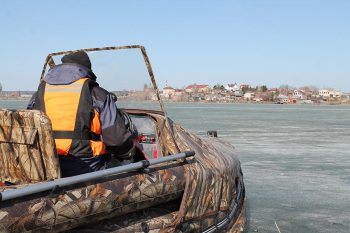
(76, 125)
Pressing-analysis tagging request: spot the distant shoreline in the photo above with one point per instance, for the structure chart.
(200, 102)
(16, 99)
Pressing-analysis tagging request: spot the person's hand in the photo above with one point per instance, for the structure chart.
(136, 143)
(138, 147)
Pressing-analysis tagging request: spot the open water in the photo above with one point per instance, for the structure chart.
(295, 160)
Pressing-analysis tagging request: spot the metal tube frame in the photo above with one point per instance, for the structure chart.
(63, 182)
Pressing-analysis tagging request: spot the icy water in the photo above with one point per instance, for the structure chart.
(13, 104)
(295, 160)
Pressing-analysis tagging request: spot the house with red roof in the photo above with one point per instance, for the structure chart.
(168, 92)
(195, 88)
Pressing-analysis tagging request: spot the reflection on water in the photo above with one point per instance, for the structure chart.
(295, 159)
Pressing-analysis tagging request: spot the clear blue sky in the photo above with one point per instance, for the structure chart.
(271, 42)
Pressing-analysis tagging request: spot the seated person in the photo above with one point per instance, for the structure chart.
(87, 126)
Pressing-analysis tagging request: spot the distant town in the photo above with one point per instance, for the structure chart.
(228, 93)
(241, 93)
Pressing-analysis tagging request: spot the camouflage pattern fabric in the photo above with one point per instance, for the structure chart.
(210, 190)
(210, 182)
(78, 205)
(27, 149)
(151, 219)
(206, 186)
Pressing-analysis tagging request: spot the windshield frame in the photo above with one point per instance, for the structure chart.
(49, 61)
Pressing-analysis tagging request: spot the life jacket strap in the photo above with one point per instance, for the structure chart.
(74, 135)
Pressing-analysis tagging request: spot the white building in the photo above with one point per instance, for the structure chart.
(299, 95)
(232, 87)
(323, 93)
(328, 93)
(335, 94)
(194, 88)
(248, 96)
(282, 99)
(168, 92)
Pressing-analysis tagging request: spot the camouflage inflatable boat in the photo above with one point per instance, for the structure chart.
(186, 184)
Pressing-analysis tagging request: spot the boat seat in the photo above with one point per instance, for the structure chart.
(27, 148)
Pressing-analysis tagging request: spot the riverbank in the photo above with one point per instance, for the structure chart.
(14, 98)
(347, 102)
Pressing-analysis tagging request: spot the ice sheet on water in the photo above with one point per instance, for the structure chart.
(295, 161)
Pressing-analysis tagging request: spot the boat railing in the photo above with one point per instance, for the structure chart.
(63, 182)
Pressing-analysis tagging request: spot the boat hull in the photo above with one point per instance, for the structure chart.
(67, 208)
(208, 191)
